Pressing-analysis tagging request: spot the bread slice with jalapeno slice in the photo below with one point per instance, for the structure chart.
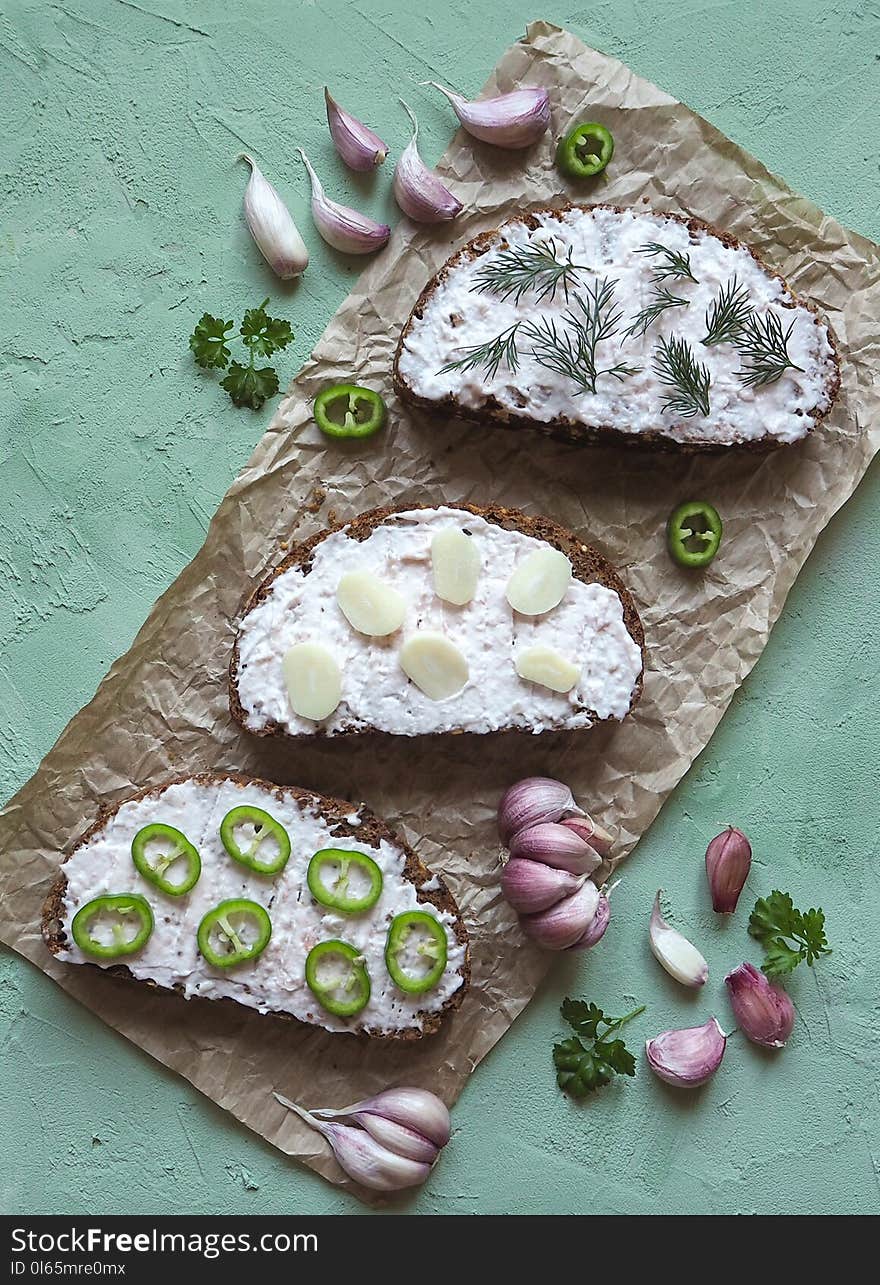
(426, 620)
(602, 324)
(297, 901)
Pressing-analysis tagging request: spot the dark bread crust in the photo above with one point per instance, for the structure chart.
(497, 416)
(588, 565)
(370, 831)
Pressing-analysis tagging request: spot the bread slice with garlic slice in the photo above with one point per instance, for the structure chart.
(101, 863)
(426, 620)
(606, 324)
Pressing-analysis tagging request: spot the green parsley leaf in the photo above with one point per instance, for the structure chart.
(581, 1069)
(789, 936)
(248, 386)
(264, 334)
(208, 341)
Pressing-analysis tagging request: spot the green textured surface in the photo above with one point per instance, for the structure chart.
(120, 225)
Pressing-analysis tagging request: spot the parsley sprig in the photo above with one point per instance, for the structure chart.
(582, 1068)
(262, 335)
(776, 923)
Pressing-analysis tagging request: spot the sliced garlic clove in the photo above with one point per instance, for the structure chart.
(369, 605)
(546, 667)
(314, 683)
(434, 664)
(539, 582)
(456, 564)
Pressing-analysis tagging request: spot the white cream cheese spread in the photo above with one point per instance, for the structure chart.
(275, 981)
(586, 628)
(610, 245)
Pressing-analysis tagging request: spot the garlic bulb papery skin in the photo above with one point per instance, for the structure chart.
(728, 861)
(554, 845)
(340, 226)
(516, 119)
(679, 957)
(596, 930)
(416, 1109)
(565, 923)
(591, 833)
(764, 1013)
(272, 226)
(531, 886)
(418, 190)
(687, 1058)
(362, 1157)
(359, 146)
(530, 802)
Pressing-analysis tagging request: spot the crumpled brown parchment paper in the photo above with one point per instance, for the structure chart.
(162, 709)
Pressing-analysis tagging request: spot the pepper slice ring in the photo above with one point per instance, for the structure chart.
(693, 533)
(338, 895)
(585, 150)
(265, 827)
(239, 951)
(362, 411)
(153, 867)
(433, 949)
(353, 981)
(120, 906)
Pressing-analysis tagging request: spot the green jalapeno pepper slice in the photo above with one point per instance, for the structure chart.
(222, 941)
(402, 958)
(336, 975)
(261, 829)
(693, 533)
(585, 150)
(124, 910)
(356, 886)
(154, 865)
(347, 410)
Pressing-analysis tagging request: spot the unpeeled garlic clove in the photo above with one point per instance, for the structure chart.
(417, 190)
(539, 582)
(434, 664)
(342, 227)
(455, 562)
(416, 1109)
(687, 1058)
(531, 886)
(272, 226)
(369, 605)
(362, 1157)
(398, 1137)
(555, 845)
(764, 1012)
(313, 680)
(679, 957)
(532, 801)
(596, 930)
(565, 923)
(591, 832)
(728, 860)
(356, 143)
(545, 667)
(516, 119)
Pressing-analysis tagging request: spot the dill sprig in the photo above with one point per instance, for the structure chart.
(764, 346)
(516, 270)
(572, 351)
(662, 300)
(672, 263)
(727, 314)
(676, 366)
(490, 355)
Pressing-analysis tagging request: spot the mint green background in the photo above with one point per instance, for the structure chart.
(120, 225)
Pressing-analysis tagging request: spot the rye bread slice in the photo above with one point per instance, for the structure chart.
(588, 566)
(369, 831)
(495, 415)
